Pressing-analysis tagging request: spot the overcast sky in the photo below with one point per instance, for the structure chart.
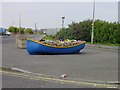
(48, 14)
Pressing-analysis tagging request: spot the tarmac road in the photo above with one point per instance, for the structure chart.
(92, 64)
(17, 82)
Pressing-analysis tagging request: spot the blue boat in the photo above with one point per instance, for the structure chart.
(35, 47)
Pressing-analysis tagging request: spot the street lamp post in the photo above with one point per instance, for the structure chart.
(19, 22)
(35, 26)
(13, 23)
(63, 21)
(93, 21)
(37, 32)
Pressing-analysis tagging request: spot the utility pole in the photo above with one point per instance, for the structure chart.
(19, 22)
(93, 21)
(63, 21)
(13, 23)
(36, 28)
(119, 12)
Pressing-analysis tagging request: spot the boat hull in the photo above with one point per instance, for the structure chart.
(34, 48)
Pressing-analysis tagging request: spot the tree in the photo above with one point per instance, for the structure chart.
(13, 29)
(104, 32)
(21, 30)
(29, 31)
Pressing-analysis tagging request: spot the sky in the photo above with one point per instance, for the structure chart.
(48, 14)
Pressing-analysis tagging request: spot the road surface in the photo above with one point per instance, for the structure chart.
(92, 64)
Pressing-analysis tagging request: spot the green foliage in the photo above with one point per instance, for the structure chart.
(28, 30)
(78, 31)
(48, 37)
(104, 32)
(13, 29)
(20, 30)
(16, 30)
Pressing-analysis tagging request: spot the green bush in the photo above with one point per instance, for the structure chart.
(104, 32)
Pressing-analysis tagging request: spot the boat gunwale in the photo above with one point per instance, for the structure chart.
(37, 41)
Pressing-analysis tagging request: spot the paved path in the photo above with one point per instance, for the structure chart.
(91, 64)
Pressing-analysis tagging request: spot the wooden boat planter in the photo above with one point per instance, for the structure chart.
(36, 47)
(21, 41)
